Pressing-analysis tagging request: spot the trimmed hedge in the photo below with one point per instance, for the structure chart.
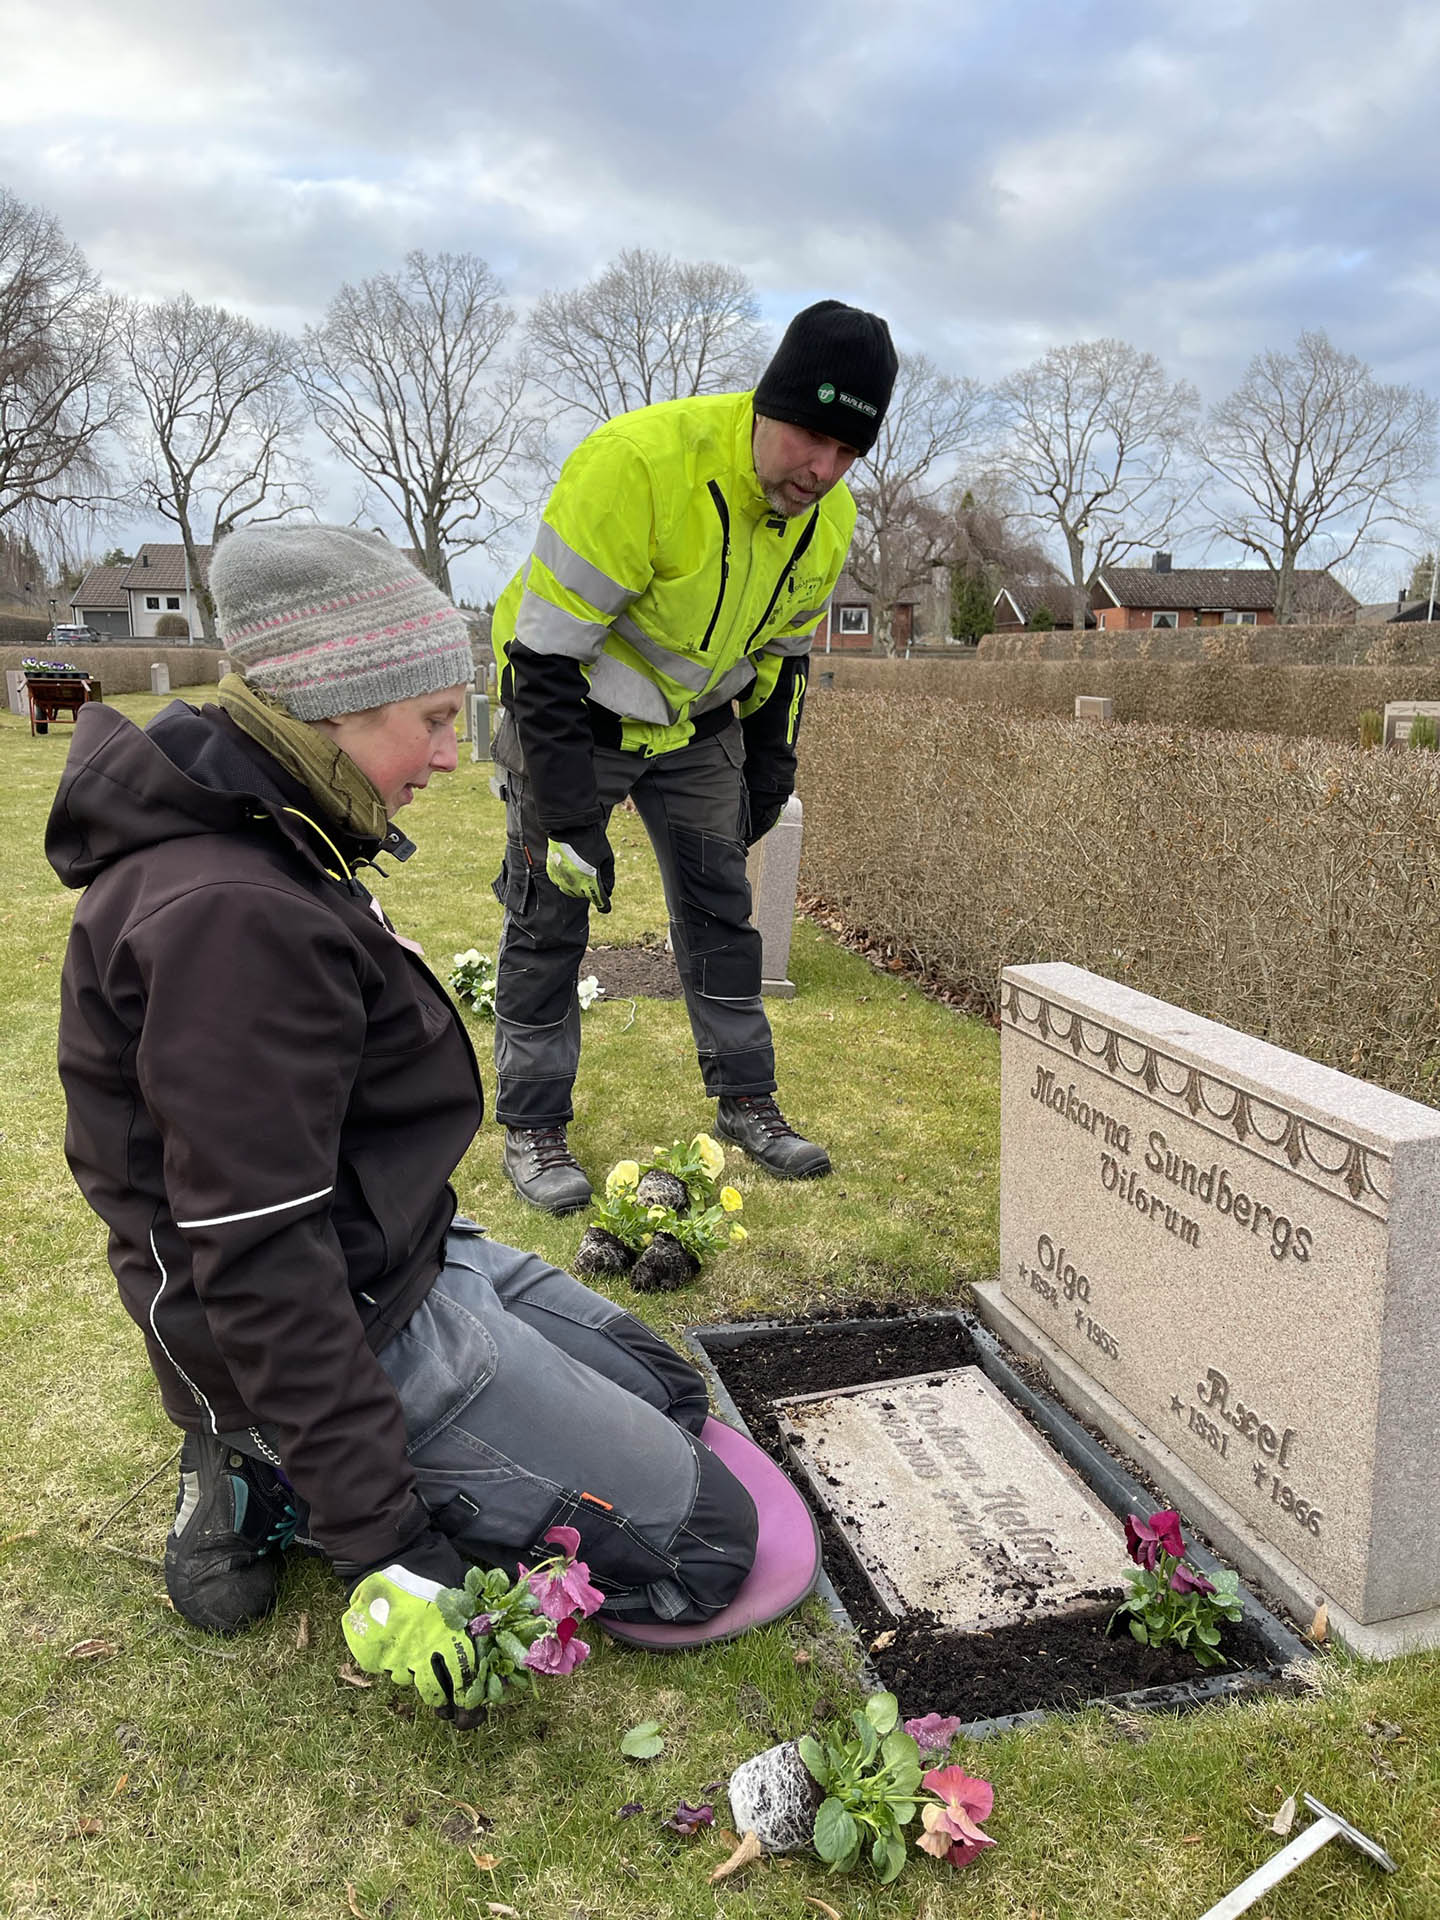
(1285, 888)
(20, 630)
(1414, 643)
(1324, 702)
(127, 669)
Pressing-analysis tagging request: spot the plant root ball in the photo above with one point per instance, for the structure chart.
(775, 1796)
(663, 1266)
(600, 1251)
(660, 1189)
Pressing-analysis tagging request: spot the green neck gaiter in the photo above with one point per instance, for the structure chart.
(345, 795)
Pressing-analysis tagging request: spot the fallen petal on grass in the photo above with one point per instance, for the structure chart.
(486, 1862)
(748, 1851)
(1285, 1818)
(92, 1650)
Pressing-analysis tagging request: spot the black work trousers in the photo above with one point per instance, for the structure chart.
(693, 805)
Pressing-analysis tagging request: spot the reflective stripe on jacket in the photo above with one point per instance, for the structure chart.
(663, 570)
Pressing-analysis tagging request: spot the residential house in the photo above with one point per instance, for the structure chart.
(100, 602)
(1162, 595)
(156, 582)
(1017, 605)
(850, 624)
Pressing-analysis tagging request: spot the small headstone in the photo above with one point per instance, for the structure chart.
(952, 1503)
(159, 677)
(774, 872)
(1236, 1247)
(15, 696)
(1400, 715)
(1093, 706)
(477, 712)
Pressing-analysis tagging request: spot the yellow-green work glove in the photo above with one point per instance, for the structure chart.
(583, 866)
(393, 1626)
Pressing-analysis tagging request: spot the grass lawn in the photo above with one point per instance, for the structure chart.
(173, 1776)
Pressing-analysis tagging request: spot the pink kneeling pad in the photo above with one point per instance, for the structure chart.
(787, 1553)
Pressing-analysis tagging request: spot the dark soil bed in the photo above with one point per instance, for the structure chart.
(634, 973)
(1057, 1662)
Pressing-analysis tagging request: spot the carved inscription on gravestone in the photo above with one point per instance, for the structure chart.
(952, 1502)
(1240, 1246)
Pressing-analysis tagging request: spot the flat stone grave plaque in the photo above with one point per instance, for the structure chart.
(951, 1502)
(1236, 1248)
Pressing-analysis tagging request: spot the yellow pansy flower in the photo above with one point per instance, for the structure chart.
(712, 1154)
(730, 1200)
(624, 1175)
(737, 1234)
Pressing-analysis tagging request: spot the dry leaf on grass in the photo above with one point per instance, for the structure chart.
(802, 1658)
(487, 1862)
(812, 1900)
(14, 1539)
(1320, 1625)
(1285, 1818)
(84, 1830)
(353, 1677)
(1191, 1839)
(120, 1785)
(350, 1901)
(748, 1851)
(302, 1633)
(166, 1601)
(92, 1650)
(499, 1906)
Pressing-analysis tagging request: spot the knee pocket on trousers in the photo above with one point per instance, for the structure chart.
(713, 909)
(514, 885)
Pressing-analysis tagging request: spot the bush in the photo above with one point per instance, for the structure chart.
(172, 626)
(1372, 728)
(1042, 620)
(1284, 887)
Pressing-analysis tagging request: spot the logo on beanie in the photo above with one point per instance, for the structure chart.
(860, 406)
(825, 394)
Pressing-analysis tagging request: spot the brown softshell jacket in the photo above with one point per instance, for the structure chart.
(267, 1094)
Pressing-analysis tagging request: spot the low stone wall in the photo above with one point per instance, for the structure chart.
(126, 669)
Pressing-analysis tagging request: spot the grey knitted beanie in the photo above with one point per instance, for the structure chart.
(327, 620)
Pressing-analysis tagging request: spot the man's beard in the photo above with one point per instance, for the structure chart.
(782, 506)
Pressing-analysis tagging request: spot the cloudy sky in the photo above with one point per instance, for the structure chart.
(1202, 180)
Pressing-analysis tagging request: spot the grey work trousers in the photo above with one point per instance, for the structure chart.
(531, 1402)
(693, 805)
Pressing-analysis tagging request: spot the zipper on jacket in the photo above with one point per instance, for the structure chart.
(800, 545)
(724, 512)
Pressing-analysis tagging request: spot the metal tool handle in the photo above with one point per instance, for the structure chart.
(1275, 1869)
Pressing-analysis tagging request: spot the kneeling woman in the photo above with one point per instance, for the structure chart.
(267, 1094)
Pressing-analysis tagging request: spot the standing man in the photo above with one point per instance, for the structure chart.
(683, 562)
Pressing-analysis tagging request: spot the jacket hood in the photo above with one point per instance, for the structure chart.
(124, 789)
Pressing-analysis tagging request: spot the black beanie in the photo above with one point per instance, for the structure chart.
(833, 373)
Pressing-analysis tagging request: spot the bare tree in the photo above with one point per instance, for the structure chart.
(60, 398)
(1096, 436)
(406, 382)
(991, 549)
(221, 424)
(648, 328)
(1314, 448)
(902, 531)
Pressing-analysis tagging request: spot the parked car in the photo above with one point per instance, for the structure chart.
(72, 636)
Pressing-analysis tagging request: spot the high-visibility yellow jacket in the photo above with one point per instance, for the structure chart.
(663, 571)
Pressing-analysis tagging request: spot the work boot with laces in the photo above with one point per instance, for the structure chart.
(543, 1170)
(234, 1517)
(754, 1122)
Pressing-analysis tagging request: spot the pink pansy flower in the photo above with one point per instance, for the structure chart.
(558, 1595)
(951, 1830)
(480, 1625)
(933, 1732)
(558, 1653)
(1148, 1539)
(1185, 1580)
(566, 1538)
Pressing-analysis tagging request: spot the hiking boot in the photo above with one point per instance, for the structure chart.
(233, 1519)
(543, 1170)
(754, 1122)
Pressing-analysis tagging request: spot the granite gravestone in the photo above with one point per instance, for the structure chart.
(952, 1503)
(773, 869)
(1225, 1254)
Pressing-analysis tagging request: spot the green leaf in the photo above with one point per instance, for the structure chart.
(905, 1779)
(835, 1832)
(887, 1857)
(869, 1739)
(882, 1710)
(1210, 1635)
(453, 1607)
(643, 1741)
(813, 1754)
(899, 1749)
(494, 1688)
(1137, 1630)
(513, 1648)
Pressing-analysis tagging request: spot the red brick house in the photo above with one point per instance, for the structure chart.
(1160, 596)
(848, 624)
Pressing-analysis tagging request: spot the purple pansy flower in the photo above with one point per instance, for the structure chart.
(558, 1595)
(1184, 1580)
(558, 1653)
(1146, 1540)
(933, 1732)
(689, 1820)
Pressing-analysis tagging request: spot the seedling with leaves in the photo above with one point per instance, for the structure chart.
(660, 1220)
(1169, 1603)
(869, 1772)
(527, 1625)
